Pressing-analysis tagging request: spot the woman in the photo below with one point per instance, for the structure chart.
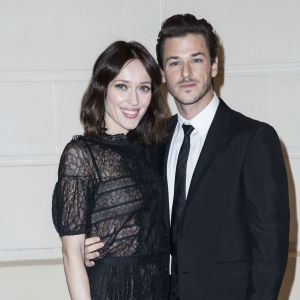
(107, 185)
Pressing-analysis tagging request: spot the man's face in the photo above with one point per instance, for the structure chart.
(188, 70)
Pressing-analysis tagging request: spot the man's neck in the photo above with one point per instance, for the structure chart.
(188, 112)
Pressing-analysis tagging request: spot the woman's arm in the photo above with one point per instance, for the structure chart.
(76, 275)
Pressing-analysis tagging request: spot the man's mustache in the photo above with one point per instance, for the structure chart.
(186, 80)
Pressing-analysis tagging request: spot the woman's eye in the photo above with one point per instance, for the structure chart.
(121, 86)
(145, 88)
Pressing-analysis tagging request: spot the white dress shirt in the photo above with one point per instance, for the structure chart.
(201, 124)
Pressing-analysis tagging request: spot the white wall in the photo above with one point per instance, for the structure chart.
(47, 52)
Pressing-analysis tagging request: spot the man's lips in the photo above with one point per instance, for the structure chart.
(130, 113)
(187, 85)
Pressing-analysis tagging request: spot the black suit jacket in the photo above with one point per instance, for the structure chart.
(233, 238)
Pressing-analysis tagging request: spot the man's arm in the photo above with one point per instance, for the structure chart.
(91, 247)
(266, 192)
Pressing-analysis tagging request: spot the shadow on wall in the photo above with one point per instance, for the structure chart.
(291, 268)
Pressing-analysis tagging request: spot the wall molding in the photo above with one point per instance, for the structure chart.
(44, 75)
(84, 74)
(53, 159)
(29, 160)
(48, 255)
(262, 69)
(7, 255)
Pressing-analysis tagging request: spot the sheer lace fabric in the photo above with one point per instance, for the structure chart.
(107, 188)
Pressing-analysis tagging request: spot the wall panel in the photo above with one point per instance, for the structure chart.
(27, 118)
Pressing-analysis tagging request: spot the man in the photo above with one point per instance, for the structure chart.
(225, 178)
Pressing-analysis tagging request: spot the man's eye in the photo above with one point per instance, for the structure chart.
(145, 88)
(174, 63)
(121, 86)
(197, 60)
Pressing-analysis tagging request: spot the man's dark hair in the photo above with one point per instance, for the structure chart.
(152, 127)
(181, 25)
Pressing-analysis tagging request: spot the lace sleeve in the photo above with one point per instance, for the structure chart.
(70, 201)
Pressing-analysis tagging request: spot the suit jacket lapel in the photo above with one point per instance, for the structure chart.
(214, 139)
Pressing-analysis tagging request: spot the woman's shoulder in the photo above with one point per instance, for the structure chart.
(75, 154)
(75, 146)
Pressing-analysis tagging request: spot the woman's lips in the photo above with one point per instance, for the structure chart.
(130, 113)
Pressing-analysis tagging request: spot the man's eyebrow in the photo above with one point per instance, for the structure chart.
(198, 53)
(172, 57)
(193, 55)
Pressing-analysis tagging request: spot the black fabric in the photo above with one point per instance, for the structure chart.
(232, 243)
(180, 181)
(124, 207)
(179, 194)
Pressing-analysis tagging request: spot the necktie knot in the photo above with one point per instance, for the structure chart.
(187, 129)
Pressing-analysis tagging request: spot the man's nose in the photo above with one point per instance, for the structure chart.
(186, 70)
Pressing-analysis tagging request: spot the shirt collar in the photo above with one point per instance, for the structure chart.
(202, 121)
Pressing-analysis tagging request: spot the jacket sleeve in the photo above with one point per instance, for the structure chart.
(266, 193)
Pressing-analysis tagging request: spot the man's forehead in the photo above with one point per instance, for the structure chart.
(190, 44)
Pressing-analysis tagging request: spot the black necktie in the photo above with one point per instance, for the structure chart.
(180, 184)
(178, 205)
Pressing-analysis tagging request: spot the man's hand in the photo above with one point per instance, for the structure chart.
(91, 245)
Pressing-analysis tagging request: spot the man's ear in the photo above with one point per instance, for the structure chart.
(214, 68)
(163, 76)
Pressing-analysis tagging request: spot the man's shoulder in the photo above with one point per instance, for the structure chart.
(243, 122)
(240, 125)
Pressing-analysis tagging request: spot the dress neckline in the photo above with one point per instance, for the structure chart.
(117, 139)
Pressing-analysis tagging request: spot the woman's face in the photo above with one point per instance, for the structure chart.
(128, 97)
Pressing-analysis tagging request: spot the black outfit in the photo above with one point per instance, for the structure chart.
(179, 197)
(111, 188)
(232, 240)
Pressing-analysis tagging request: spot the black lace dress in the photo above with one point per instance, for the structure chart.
(108, 188)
